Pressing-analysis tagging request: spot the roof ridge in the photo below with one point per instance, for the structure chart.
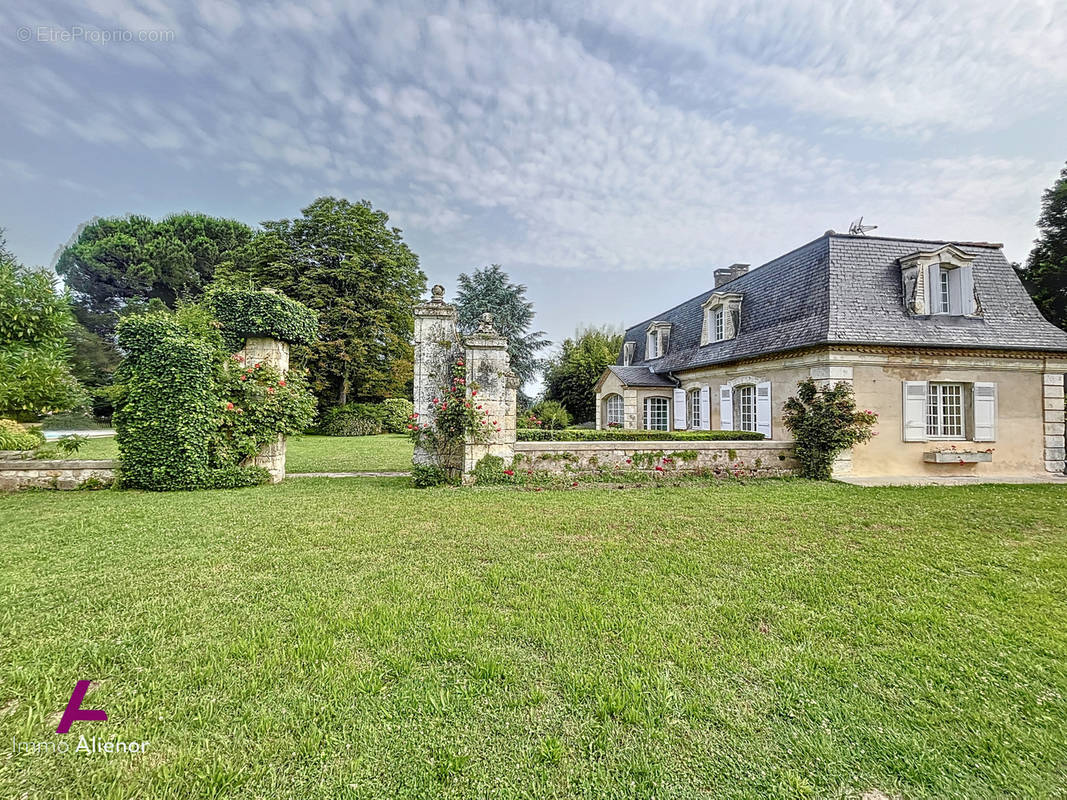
(836, 235)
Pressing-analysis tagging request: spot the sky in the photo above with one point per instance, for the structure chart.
(609, 154)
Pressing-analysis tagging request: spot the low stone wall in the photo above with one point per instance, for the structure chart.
(31, 474)
(749, 458)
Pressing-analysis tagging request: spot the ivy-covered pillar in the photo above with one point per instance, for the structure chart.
(274, 353)
(489, 368)
(436, 349)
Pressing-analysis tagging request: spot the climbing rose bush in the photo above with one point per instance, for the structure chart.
(824, 423)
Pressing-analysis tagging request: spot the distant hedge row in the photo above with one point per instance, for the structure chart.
(366, 419)
(622, 435)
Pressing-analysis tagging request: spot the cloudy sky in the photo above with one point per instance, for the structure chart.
(610, 154)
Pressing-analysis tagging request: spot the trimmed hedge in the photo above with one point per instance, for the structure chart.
(366, 419)
(250, 312)
(622, 435)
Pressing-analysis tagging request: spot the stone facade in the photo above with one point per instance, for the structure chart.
(30, 474)
(275, 353)
(437, 348)
(1053, 402)
(751, 458)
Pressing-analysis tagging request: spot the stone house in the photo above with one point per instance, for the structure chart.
(939, 338)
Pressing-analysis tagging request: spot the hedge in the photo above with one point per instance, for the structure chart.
(251, 312)
(622, 435)
(366, 419)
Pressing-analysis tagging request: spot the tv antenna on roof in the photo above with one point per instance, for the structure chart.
(857, 228)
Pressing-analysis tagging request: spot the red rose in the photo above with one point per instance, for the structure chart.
(244, 377)
(270, 390)
(281, 383)
(474, 392)
(659, 469)
(229, 406)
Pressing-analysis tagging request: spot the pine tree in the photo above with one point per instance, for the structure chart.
(1045, 274)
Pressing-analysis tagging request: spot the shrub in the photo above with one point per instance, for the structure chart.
(492, 470)
(249, 312)
(425, 476)
(621, 435)
(14, 436)
(825, 422)
(397, 414)
(552, 414)
(354, 419)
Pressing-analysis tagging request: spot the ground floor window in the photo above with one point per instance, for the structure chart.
(694, 409)
(613, 411)
(944, 410)
(657, 414)
(746, 407)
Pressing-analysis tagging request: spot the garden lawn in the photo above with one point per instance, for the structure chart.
(385, 453)
(359, 638)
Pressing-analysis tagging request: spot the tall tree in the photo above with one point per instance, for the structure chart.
(120, 264)
(571, 375)
(489, 289)
(1045, 274)
(35, 375)
(344, 260)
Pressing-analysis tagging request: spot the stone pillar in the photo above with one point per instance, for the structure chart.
(824, 377)
(489, 368)
(261, 350)
(1052, 400)
(436, 348)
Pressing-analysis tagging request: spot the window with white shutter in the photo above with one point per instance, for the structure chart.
(705, 408)
(726, 408)
(914, 415)
(679, 409)
(763, 408)
(985, 412)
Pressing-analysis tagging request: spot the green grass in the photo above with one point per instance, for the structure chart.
(359, 638)
(386, 453)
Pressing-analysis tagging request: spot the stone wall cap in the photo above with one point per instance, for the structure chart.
(29, 463)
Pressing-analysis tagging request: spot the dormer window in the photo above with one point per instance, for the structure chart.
(940, 282)
(628, 353)
(657, 339)
(722, 317)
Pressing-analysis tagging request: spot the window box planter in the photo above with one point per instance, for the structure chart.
(956, 456)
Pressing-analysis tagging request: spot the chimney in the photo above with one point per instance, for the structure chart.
(729, 273)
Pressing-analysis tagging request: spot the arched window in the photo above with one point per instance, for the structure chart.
(694, 409)
(657, 414)
(613, 416)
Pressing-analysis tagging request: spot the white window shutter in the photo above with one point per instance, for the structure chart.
(763, 408)
(914, 411)
(985, 412)
(726, 408)
(966, 289)
(705, 408)
(933, 293)
(679, 409)
(955, 293)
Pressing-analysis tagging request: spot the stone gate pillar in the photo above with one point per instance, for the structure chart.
(489, 366)
(436, 348)
(261, 350)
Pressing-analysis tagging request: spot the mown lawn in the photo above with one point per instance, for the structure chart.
(386, 453)
(359, 638)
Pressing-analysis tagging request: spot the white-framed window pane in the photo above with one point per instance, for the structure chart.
(613, 410)
(746, 406)
(720, 325)
(694, 408)
(945, 296)
(656, 413)
(944, 410)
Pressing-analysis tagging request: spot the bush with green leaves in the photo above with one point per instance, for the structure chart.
(552, 415)
(14, 436)
(624, 435)
(353, 419)
(398, 414)
(824, 422)
(244, 313)
(426, 476)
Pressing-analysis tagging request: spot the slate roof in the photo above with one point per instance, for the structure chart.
(843, 289)
(640, 376)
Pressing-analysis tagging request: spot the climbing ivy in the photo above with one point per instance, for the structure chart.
(242, 313)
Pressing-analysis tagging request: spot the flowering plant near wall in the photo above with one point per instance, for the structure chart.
(825, 422)
(255, 404)
(458, 418)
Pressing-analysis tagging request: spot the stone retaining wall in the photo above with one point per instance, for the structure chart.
(751, 458)
(28, 473)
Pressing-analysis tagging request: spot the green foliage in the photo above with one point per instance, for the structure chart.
(233, 476)
(165, 419)
(489, 289)
(398, 414)
(571, 375)
(14, 436)
(120, 264)
(353, 419)
(344, 261)
(825, 422)
(1045, 274)
(623, 435)
(35, 374)
(425, 476)
(551, 415)
(245, 313)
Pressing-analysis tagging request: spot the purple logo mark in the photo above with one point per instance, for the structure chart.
(75, 711)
